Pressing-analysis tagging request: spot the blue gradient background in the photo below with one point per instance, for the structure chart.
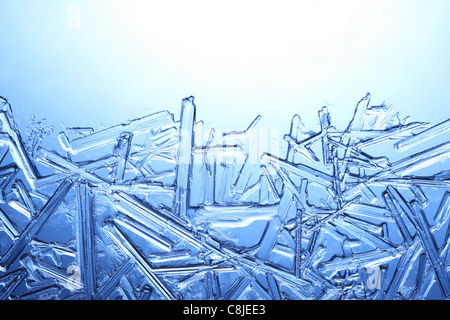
(239, 59)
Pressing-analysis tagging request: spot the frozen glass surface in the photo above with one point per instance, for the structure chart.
(165, 207)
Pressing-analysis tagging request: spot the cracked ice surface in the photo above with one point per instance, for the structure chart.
(154, 208)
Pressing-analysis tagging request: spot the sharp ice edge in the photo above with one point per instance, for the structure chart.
(154, 208)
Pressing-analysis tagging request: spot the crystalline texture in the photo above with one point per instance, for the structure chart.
(184, 165)
(155, 209)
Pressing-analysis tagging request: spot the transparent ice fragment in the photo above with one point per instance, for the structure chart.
(423, 136)
(34, 227)
(296, 134)
(430, 247)
(161, 209)
(443, 213)
(401, 270)
(9, 226)
(113, 281)
(22, 193)
(48, 293)
(10, 137)
(416, 161)
(41, 270)
(229, 224)
(63, 165)
(380, 117)
(86, 236)
(122, 152)
(184, 160)
(356, 124)
(9, 282)
(36, 133)
(299, 169)
(395, 133)
(117, 236)
(55, 251)
(110, 135)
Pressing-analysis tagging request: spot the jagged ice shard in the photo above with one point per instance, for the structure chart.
(162, 207)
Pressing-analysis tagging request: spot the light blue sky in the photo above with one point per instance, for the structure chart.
(238, 58)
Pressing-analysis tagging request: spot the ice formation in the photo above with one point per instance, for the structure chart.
(150, 209)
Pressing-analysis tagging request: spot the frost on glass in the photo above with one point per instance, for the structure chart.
(162, 208)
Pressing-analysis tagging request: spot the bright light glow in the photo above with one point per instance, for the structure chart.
(273, 58)
(238, 37)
